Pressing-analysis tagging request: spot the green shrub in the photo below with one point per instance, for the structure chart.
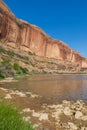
(10, 119)
(5, 61)
(16, 66)
(3, 74)
(19, 56)
(20, 70)
(2, 50)
(31, 53)
(17, 69)
(10, 53)
(24, 70)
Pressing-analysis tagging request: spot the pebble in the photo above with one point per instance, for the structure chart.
(67, 111)
(40, 115)
(35, 114)
(78, 115)
(43, 116)
(83, 128)
(26, 110)
(8, 96)
(84, 118)
(72, 126)
(21, 94)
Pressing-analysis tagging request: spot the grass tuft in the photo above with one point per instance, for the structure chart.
(10, 119)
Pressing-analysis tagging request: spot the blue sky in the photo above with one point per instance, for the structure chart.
(64, 20)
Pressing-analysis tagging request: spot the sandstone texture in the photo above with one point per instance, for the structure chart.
(21, 35)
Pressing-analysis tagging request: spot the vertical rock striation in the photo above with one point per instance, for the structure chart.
(22, 35)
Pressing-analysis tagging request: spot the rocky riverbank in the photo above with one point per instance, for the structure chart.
(67, 115)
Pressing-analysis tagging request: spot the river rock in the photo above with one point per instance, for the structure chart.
(84, 118)
(67, 111)
(26, 110)
(83, 128)
(40, 115)
(8, 96)
(36, 114)
(73, 107)
(78, 115)
(20, 94)
(56, 114)
(72, 126)
(79, 105)
(43, 116)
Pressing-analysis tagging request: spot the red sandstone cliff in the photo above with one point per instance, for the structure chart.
(22, 35)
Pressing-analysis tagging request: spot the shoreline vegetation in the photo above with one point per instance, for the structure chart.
(24, 72)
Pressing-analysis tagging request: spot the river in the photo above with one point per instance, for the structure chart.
(53, 87)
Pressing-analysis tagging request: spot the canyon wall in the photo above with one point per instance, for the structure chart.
(22, 35)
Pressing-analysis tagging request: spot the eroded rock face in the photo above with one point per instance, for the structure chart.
(22, 35)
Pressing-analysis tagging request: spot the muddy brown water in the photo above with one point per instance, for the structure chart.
(53, 87)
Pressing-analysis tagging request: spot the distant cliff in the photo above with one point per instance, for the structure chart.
(27, 37)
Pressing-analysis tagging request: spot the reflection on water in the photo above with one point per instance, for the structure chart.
(57, 87)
